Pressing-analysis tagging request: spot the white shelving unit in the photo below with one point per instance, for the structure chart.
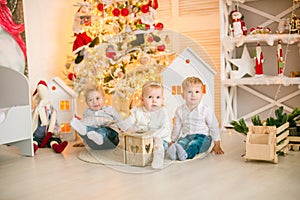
(240, 95)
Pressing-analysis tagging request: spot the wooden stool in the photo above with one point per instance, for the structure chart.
(138, 148)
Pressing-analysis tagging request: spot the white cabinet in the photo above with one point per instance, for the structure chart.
(244, 97)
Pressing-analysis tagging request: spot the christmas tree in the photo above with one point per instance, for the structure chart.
(119, 44)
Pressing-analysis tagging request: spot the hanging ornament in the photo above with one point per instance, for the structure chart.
(145, 8)
(100, 7)
(68, 65)
(161, 47)
(124, 12)
(110, 52)
(159, 26)
(116, 12)
(71, 76)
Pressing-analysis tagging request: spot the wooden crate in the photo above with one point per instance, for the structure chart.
(294, 143)
(138, 148)
(263, 142)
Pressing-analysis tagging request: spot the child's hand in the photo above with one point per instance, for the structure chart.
(217, 148)
(170, 143)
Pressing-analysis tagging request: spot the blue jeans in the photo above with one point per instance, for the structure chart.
(110, 138)
(195, 144)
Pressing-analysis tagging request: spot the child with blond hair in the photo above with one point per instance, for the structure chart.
(97, 127)
(151, 115)
(195, 124)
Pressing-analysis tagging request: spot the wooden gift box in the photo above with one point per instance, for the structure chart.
(138, 148)
(263, 142)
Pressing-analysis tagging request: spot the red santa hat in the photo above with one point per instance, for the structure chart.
(41, 82)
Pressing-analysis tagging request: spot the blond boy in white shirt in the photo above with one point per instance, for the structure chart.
(195, 124)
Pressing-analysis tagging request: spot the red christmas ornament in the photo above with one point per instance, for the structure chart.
(71, 76)
(147, 26)
(161, 47)
(150, 39)
(116, 12)
(110, 52)
(187, 61)
(124, 12)
(159, 26)
(145, 8)
(100, 7)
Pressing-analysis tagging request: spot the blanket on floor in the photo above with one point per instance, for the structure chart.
(114, 158)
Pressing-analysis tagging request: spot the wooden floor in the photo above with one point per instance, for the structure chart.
(63, 176)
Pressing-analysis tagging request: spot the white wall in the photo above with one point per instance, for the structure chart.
(48, 29)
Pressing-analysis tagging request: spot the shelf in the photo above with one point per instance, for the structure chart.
(263, 80)
(230, 43)
(262, 13)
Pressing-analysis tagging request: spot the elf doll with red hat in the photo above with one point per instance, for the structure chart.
(44, 123)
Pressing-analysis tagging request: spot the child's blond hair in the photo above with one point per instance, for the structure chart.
(190, 81)
(151, 84)
(92, 88)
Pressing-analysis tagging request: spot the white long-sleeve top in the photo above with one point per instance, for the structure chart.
(201, 120)
(142, 120)
(105, 116)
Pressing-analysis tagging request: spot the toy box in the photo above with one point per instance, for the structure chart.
(138, 148)
(264, 142)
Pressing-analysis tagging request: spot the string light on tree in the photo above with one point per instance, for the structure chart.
(118, 44)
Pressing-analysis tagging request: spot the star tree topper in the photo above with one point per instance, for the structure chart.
(245, 64)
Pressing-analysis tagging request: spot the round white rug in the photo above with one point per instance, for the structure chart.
(113, 158)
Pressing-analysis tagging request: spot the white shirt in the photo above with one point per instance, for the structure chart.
(201, 120)
(105, 116)
(142, 120)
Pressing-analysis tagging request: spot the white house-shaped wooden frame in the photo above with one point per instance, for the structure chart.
(188, 63)
(63, 99)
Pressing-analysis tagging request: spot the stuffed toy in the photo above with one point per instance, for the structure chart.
(238, 27)
(82, 19)
(44, 122)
